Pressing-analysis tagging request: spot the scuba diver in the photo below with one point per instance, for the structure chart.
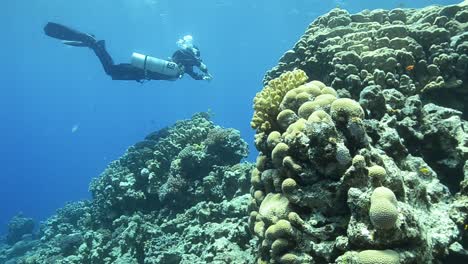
(142, 67)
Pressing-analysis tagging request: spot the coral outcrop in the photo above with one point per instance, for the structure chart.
(415, 51)
(18, 227)
(336, 185)
(371, 160)
(179, 196)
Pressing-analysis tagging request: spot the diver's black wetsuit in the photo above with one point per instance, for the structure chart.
(186, 59)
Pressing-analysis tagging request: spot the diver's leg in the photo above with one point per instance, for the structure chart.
(126, 71)
(106, 60)
(73, 37)
(122, 71)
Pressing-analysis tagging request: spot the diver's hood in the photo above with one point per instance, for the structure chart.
(186, 42)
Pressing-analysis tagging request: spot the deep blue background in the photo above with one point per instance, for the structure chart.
(47, 88)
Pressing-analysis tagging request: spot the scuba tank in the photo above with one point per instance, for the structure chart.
(152, 64)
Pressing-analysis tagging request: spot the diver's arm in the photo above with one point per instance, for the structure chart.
(193, 74)
(206, 76)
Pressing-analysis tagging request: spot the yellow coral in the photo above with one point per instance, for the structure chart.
(261, 161)
(267, 101)
(279, 152)
(329, 90)
(296, 97)
(384, 193)
(288, 186)
(289, 259)
(289, 163)
(282, 229)
(424, 170)
(359, 161)
(320, 116)
(294, 130)
(319, 84)
(255, 178)
(322, 102)
(279, 246)
(377, 172)
(258, 196)
(295, 219)
(259, 228)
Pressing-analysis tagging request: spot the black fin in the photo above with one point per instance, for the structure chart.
(74, 43)
(64, 33)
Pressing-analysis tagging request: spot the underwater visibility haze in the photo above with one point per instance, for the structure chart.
(331, 132)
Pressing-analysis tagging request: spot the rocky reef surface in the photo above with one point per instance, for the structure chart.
(363, 142)
(179, 196)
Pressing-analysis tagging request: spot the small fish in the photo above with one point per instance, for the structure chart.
(409, 67)
(75, 128)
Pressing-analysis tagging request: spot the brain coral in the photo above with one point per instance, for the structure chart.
(383, 210)
(378, 257)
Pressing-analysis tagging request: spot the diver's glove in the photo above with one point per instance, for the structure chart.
(208, 77)
(203, 68)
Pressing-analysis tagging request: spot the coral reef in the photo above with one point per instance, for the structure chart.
(363, 158)
(167, 170)
(179, 196)
(414, 51)
(18, 227)
(338, 185)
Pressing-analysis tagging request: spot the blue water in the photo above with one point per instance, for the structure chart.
(48, 88)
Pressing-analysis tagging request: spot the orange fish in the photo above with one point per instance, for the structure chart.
(410, 67)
